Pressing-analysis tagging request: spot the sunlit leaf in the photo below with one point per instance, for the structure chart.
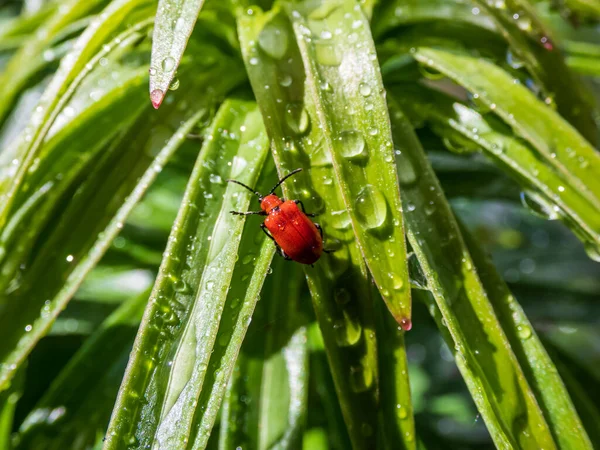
(194, 324)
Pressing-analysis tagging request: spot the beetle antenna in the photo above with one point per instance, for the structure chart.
(293, 172)
(247, 187)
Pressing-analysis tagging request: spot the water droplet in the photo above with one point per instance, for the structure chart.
(353, 144)
(181, 286)
(364, 89)
(273, 40)
(340, 220)
(402, 412)
(174, 84)
(397, 282)
(285, 80)
(297, 118)
(341, 296)
(523, 331)
(371, 207)
(69, 258)
(253, 61)
(539, 205)
(28, 328)
(327, 53)
(168, 64)
(361, 378)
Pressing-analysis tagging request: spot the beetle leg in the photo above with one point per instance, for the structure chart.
(249, 213)
(299, 202)
(321, 231)
(264, 228)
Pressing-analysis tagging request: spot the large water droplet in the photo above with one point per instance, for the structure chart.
(340, 220)
(353, 144)
(523, 331)
(174, 84)
(297, 118)
(539, 205)
(168, 64)
(364, 89)
(273, 39)
(327, 53)
(371, 207)
(361, 378)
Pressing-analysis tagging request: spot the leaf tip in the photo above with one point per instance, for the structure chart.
(156, 97)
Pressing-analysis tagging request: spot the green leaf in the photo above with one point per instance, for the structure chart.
(174, 382)
(532, 42)
(342, 78)
(8, 405)
(63, 270)
(339, 285)
(396, 421)
(558, 144)
(23, 64)
(396, 13)
(549, 193)
(77, 405)
(462, 310)
(174, 24)
(543, 377)
(74, 68)
(266, 402)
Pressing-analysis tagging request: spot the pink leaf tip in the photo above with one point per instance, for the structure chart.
(406, 324)
(156, 97)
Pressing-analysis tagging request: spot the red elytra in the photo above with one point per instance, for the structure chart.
(295, 235)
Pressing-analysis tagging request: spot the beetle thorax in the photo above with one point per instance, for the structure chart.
(269, 202)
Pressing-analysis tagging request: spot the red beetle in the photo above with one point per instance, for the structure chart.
(295, 235)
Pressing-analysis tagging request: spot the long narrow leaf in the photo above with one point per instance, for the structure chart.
(338, 283)
(174, 24)
(78, 403)
(464, 314)
(266, 404)
(173, 353)
(532, 42)
(543, 376)
(345, 86)
(557, 142)
(553, 191)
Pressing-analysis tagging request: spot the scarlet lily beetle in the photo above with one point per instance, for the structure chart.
(295, 235)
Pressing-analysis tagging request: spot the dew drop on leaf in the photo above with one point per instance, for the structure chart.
(371, 207)
(327, 53)
(353, 144)
(523, 331)
(539, 206)
(168, 64)
(273, 40)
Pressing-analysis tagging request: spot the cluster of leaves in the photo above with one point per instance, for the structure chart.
(129, 296)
